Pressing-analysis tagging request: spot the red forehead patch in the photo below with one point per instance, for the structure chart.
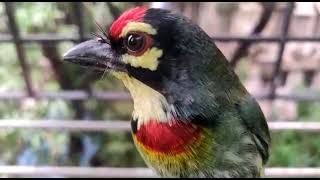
(131, 15)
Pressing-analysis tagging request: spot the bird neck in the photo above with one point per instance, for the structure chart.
(154, 122)
(148, 103)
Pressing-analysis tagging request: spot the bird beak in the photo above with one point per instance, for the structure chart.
(94, 54)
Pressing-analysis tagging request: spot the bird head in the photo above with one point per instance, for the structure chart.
(160, 54)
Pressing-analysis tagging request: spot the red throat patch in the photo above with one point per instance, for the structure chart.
(131, 15)
(169, 139)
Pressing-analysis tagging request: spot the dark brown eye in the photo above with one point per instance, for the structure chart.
(135, 42)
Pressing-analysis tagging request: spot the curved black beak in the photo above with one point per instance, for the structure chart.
(95, 54)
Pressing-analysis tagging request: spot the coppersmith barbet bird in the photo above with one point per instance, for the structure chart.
(192, 116)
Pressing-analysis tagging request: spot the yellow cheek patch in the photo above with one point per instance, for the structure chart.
(138, 26)
(148, 60)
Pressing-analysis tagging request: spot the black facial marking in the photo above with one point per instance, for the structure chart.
(134, 125)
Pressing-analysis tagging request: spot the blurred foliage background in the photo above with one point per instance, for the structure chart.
(49, 73)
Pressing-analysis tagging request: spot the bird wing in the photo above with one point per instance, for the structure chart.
(256, 123)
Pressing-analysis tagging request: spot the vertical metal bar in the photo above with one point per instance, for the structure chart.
(19, 48)
(282, 43)
(79, 19)
(244, 46)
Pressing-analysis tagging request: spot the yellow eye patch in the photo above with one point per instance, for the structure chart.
(149, 59)
(138, 26)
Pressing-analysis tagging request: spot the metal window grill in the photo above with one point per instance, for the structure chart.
(74, 125)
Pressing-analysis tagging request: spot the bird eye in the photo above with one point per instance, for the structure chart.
(135, 42)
